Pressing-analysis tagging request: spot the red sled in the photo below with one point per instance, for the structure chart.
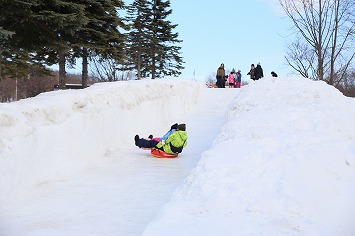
(160, 154)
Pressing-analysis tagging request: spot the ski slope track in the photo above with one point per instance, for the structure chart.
(78, 172)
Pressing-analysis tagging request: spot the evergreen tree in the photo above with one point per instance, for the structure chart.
(153, 48)
(139, 16)
(17, 40)
(164, 55)
(59, 21)
(101, 35)
(13, 16)
(44, 27)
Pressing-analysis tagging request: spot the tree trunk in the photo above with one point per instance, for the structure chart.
(335, 33)
(84, 75)
(1, 78)
(153, 67)
(62, 72)
(320, 46)
(139, 73)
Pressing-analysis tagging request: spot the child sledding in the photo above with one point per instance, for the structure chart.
(170, 145)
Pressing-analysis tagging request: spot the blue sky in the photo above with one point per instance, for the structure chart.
(236, 33)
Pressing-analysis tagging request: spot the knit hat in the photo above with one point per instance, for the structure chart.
(174, 126)
(181, 127)
(252, 64)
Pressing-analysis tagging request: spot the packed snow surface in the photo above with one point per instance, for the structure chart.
(276, 157)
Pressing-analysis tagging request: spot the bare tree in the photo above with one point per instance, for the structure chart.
(326, 29)
(106, 70)
(21, 88)
(300, 57)
(37, 84)
(347, 87)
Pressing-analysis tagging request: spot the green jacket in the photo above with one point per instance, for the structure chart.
(177, 139)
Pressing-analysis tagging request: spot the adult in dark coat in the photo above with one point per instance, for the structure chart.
(252, 72)
(220, 76)
(258, 72)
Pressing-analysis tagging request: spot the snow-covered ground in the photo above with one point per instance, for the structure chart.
(280, 161)
(68, 161)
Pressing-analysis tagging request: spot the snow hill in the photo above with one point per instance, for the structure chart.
(281, 163)
(58, 133)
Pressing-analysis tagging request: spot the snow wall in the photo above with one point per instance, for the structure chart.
(46, 138)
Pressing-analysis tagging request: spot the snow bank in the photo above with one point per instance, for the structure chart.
(284, 164)
(46, 137)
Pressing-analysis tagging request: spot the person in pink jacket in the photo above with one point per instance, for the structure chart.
(231, 79)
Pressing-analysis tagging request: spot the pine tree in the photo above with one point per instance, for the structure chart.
(165, 56)
(18, 36)
(139, 16)
(13, 16)
(59, 21)
(101, 36)
(153, 48)
(43, 27)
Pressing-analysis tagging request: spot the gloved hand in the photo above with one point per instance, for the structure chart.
(163, 142)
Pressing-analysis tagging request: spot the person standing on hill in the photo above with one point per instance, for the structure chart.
(220, 76)
(259, 72)
(231, 79)
(252, 72)
(238, 79)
